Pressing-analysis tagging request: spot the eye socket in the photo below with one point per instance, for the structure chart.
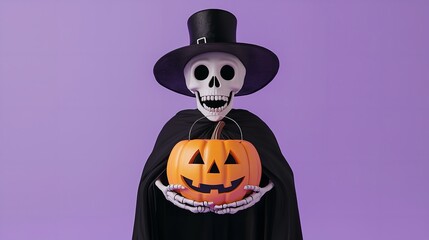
(201, 72)
(227, 72)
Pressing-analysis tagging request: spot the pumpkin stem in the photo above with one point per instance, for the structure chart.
(218, 130)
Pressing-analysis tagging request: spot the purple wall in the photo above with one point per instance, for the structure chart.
(80, 111)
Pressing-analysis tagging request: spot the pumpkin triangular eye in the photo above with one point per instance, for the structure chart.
(230, 159)
(197, 159)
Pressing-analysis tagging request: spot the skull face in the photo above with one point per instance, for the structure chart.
(214, 78)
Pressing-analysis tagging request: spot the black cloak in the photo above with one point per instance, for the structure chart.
(275, 216)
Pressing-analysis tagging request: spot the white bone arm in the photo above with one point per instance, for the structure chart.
(249, 201)
(182, 202)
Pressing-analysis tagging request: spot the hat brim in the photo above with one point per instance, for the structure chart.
(261, 65)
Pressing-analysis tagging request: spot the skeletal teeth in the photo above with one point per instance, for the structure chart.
(216, 98)
(212, 98)
(203, 98)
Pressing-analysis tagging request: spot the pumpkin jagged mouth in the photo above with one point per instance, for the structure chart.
(206, 188)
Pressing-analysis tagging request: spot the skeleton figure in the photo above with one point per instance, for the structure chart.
(214, 68)
(214, 78)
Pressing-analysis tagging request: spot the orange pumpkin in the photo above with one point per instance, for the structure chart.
(214, 170)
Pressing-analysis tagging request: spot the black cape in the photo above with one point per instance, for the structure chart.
(275, 216)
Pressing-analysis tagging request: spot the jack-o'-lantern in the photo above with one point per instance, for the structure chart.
(214, 170)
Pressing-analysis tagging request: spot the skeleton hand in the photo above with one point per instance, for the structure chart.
(178, 200)
(249, 201)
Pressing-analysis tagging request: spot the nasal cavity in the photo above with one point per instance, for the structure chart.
(214, 82)
(214, 168)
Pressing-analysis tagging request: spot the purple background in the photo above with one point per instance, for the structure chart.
(80, 111)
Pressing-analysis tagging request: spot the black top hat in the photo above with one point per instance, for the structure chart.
(214, 30)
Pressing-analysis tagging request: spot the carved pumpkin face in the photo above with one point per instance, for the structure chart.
(214, 170)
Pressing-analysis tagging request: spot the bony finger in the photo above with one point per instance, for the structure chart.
(203, 209)
(220, 211)
(241, 203)
(218, 207)
(174, 197)
(252, 188)
(199, 204)
(161, 186)
(233, 204)
(175, 187)
(189, 201)
(248, 199)
(198, 209)
(196, 204)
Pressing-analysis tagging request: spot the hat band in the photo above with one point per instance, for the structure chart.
(211, 39)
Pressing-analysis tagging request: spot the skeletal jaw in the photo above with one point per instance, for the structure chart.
(214, 110)
(214, 103)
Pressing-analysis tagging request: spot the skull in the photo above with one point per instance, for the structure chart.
(214, 78)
